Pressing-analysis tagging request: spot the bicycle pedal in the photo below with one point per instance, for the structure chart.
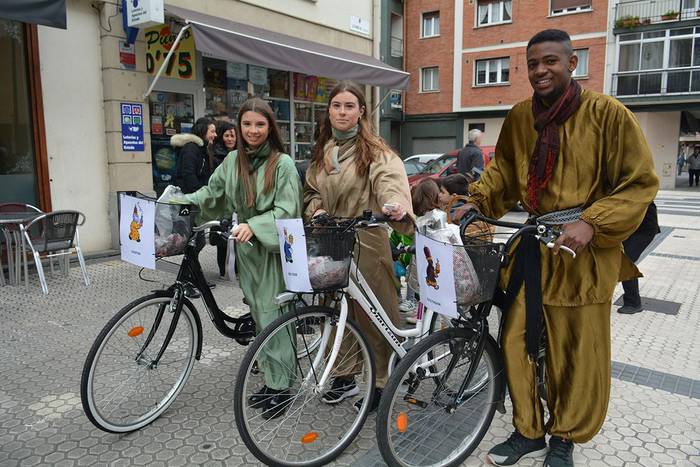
(414, 401)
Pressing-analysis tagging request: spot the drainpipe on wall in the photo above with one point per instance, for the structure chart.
(376, 39)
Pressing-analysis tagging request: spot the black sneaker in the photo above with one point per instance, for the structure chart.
(340, 390)
(375, 402)
(629, 309)
(561, 453)
(515, 448)
(259, 398)
(276, 405)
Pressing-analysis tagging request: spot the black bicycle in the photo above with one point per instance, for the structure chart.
(142, 358)
(441, 398)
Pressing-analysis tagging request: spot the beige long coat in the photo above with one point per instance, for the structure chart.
(347, 194)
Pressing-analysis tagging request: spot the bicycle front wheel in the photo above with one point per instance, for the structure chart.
(121, 388)
(292, 353)
(423, 419)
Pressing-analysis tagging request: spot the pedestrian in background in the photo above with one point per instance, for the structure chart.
(694, 166)
(470, 156)
(680, 161)
(634, 246)
(224, 144)
(193, 166)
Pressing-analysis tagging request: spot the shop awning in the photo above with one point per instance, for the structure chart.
(242, 43)
(46, 12)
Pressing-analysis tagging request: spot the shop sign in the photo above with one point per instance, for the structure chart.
(257, 75)
(127, 56)
(395, 99)
(159, 41)
(236, 70)
(132, 127)
(359, 24)
(144, 13)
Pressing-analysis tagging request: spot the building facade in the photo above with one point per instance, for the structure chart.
(655, 71)
(62, 144)
(469, 61)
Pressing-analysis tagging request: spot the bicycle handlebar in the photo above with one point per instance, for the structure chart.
(546, 234)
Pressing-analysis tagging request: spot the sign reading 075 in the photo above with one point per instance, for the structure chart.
(159, 41)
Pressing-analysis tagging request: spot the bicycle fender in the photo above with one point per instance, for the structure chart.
(500, 369)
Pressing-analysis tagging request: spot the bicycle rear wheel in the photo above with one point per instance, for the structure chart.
(422, 420)
(308, 431)
(123, 391)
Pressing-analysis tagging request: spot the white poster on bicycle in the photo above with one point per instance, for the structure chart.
(293, 255)
(435, 272)
(137, 231)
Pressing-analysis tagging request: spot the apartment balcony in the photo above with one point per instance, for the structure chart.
(653, 83)
(633, 14)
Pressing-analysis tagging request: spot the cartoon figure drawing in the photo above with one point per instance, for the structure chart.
(136, 224)
(288, 242)
(432, 271)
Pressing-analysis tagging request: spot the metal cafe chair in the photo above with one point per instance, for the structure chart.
(52, 235)
(11, 234)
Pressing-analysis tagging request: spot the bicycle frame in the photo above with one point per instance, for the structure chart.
(190, 272)
(359, 290)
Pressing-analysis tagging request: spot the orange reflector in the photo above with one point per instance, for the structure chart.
(135, 331)
(309, 437)
(402, 422)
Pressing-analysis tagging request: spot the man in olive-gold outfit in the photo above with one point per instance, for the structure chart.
(564, 148)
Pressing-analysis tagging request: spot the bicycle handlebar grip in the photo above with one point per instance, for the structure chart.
(468, 218)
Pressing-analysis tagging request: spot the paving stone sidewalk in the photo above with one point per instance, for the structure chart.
(653, 418)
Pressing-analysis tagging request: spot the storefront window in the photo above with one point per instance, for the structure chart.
(18, 182)
(298, 100)
(171, 113)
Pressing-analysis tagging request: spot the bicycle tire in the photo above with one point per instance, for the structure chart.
(328, 425)
(386, 428)
(92, 375)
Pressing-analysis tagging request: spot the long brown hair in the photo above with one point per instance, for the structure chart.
(243, 166)
(368, 144)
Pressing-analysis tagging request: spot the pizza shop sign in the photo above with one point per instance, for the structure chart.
(159, 41)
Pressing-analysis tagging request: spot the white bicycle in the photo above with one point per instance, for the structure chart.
(295, 427)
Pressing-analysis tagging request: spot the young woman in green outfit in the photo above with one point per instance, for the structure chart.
(259, 183)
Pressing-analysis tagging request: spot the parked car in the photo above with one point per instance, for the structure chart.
(424, 158)
(413, 166)
(446, 165)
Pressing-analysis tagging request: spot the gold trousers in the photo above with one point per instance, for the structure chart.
(577, 367)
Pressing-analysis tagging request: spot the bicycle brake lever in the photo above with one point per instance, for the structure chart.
(562, 247)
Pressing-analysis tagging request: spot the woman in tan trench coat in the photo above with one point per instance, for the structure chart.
(352, 170)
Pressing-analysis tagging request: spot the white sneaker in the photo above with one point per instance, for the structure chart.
(407, 306)
(413, 319)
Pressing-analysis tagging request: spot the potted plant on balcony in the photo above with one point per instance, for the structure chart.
(670, 15)
(628, 22)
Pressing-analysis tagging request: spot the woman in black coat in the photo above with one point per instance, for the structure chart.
(225, 141)
(194, 164)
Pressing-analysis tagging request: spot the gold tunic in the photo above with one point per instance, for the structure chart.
(612, 177)
(347, 194)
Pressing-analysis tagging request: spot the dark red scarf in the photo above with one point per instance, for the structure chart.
(547, 123)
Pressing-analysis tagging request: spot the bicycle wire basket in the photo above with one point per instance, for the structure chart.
(329, 249)
(173, 224)
(476, 267)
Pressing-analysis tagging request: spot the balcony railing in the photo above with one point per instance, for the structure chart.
(632, 14)
(396, 46)
(677, 81)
